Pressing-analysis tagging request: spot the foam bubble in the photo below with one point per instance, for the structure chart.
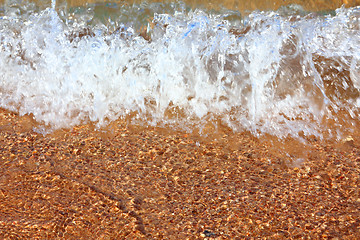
(269, 72)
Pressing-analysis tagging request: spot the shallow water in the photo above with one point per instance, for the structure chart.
(286, 72)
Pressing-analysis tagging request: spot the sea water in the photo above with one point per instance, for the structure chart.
(287, 73)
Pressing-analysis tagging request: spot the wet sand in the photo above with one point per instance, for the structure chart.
(133, 182)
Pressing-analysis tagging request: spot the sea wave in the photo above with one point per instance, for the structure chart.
(285, 73)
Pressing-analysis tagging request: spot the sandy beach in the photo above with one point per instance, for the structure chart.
(290, 72)
(133, 182)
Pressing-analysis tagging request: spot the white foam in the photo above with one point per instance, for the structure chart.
(265, 78)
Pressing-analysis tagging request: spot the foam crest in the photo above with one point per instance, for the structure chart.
(280, 73)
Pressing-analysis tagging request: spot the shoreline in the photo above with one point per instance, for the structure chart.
(149, 183)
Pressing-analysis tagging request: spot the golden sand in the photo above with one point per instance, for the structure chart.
(133, 182)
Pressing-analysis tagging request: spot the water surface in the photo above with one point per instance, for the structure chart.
(290, 71)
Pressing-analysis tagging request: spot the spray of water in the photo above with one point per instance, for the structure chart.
(285, 73)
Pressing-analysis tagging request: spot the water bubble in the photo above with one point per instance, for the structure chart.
(282, 73)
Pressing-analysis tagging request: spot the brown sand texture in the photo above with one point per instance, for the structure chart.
(133, 182)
